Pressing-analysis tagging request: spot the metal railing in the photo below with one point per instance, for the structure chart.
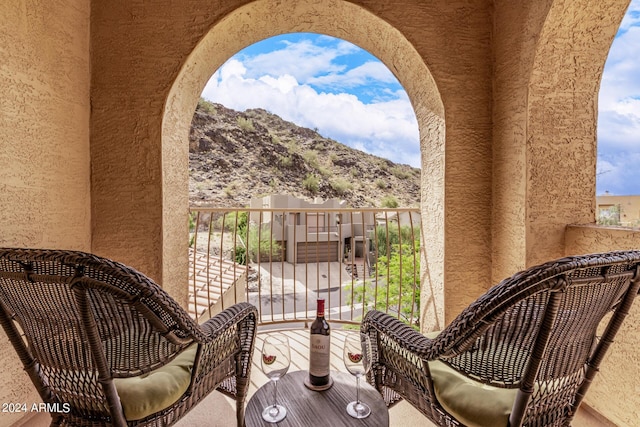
(282, 260)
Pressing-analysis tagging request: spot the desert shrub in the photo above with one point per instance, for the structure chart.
(241, 255)
(311, 183)
(341, 186)
(206, 106)
(245, 124)
(311, 157)
(262, 245)
(381, 184)
(286, 161)
(399, 172)
(609, 216)
(326, 172)
(231, 220)
(389, 202)
(192, 228)
(230, 190)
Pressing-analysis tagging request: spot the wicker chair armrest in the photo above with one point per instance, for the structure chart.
(377, 323)
(227, 348)
(221, 322)
(399, 368)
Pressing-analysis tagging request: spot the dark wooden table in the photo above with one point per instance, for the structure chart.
(313, 408)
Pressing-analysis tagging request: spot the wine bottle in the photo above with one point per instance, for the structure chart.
(319, 350)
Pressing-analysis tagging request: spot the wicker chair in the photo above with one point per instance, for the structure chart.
(524, 353)
(105, 345)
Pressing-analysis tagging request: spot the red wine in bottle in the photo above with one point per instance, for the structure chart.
(319, 349)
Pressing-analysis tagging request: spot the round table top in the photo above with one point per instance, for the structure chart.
(306, 407)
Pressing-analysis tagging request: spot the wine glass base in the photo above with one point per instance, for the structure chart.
(274, 413)
(358, 410)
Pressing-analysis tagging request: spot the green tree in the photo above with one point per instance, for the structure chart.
(261, 244)
(397, 288)
(609, 216)
(252, 242)
(192, 228)
(388, 236)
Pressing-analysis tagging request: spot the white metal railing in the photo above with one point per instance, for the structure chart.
(282, 260)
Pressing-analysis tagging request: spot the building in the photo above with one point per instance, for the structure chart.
(618, 210)
(314, 231)
(98, 97)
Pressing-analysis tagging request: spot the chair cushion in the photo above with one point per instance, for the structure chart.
(471, 402)
(154, 391)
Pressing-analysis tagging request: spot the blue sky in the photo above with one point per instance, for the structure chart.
(619, 111)
(346, 93)
(326, 83)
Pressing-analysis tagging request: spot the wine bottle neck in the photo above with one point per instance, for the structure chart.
(320, 308)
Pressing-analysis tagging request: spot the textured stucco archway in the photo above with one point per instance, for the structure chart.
(266, 18)
(561, 148)
(552, 55)
(562, 119)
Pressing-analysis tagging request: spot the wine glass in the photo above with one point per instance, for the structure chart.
(276, 358)
(357, 360)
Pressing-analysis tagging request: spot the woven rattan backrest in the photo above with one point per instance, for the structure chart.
(537, 330)
(78, 316)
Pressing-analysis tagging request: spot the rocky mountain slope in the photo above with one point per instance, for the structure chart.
(234, 156)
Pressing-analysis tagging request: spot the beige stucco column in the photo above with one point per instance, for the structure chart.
(44, 146)
(550, 59)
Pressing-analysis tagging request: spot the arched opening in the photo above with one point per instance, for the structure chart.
(333, 88)
(560, 154)
(617, 176)
(562, 108)
(339, 19)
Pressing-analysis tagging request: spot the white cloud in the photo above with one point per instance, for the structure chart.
(369, 72)
(621, 76)
(619, 111)
(302, 60)
(619, 126)
(233, 68)
(385, 127)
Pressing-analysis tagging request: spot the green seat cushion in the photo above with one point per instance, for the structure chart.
(470, 402)
(154, 391)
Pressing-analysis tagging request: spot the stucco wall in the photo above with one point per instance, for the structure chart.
(515, 41)
(549, 61)
(562, 116)
(614, 392)
(139, 49)
(44, 143)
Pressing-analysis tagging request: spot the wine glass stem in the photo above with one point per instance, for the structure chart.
(358, 389)
(275, 391)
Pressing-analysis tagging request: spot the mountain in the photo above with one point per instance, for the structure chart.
(234, 156)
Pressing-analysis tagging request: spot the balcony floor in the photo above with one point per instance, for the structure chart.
(219, 411)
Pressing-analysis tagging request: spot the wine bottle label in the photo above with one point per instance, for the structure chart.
(320, 355)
